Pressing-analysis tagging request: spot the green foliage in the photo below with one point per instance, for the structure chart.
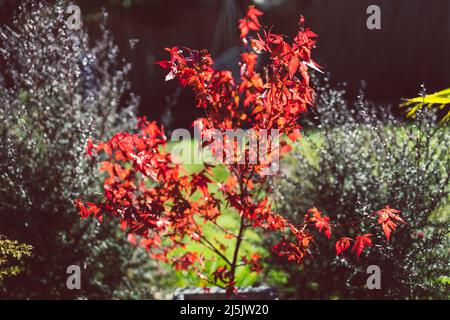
(11, 254)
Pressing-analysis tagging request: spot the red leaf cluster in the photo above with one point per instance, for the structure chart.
(250, 21)
(321, 223)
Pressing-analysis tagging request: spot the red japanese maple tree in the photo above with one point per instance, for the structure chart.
(154, 197)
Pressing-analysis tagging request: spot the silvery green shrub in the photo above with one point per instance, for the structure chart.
(359, 160)
(56, 90)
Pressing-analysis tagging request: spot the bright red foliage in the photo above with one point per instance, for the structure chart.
(250, 21)
(321, 223)
(361, 242)
(154, 198)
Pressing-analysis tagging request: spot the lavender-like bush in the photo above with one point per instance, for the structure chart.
(56, 91)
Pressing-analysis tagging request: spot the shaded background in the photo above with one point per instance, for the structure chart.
(413, 46)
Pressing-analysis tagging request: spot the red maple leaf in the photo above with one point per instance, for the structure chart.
(388, 218)
(250, 21)
(254, 262)
(89, 147)
(342, 244)
(185, 261)
(152, 196)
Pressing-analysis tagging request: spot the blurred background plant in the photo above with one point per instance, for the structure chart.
(57, 91)
(11, 254)
(359, 159)
(439, 100)
(351, 52)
